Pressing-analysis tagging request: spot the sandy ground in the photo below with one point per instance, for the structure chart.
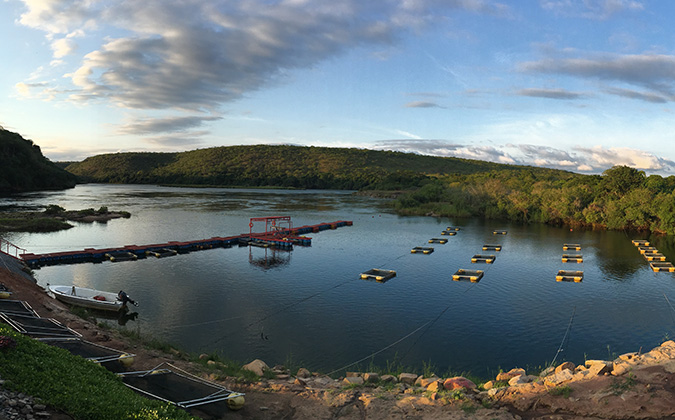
(645, 391)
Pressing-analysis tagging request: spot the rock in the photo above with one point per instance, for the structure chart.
(257, 366)
(488, 385)
(299, 381)
(303, 373)
(565, 366)
(558, 378)
(628, 356)
(352, 374)
(282, 376)
(599, 367)
(407, 378)
(424, 382)
(435, 386)
(506, 376)
(520, 380)
(203, 356)
(458, 382)
(621, 368)
(389, 378)
(352, 380)
(371, 377)
(211, 363)
(582, 374)
(549, 370)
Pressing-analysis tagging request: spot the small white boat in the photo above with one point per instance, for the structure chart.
(88, 298)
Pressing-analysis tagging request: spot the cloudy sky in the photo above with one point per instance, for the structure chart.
(580, 85)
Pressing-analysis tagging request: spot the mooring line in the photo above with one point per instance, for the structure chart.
(569, 327)
(672, 314)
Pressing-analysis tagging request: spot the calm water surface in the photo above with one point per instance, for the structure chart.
(309, 307)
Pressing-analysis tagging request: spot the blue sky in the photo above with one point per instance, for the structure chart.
(580, 85)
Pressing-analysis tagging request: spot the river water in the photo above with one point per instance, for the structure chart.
(308, 307)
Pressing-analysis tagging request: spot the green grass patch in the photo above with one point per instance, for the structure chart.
(70, 383)
(618, 387)
(37, 224)
(564, 391)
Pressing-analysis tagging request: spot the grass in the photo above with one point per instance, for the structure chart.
(70, 383)
(564, 391)
(619, 387)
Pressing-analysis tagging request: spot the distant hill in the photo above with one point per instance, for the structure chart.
(24, 168)
(284, 166)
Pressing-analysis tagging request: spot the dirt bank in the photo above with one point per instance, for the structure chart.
(640, 387)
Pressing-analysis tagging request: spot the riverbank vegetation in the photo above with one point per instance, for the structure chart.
(54, 218)
(70, 383)
(620, 198)
(24, 168)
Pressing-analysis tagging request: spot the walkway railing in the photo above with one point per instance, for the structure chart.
(10, 249)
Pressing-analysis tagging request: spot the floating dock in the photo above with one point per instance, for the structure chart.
(438, 241)
(575, 276)
(117, 256)
(640, 242)
(654, 256)
(490, 247)
(378, 274)
(162, 253)
(283, 237)
(662, 266)
(422, 250)
(480, 258)
(473, 276)
(572, 258)
(571, 247)
(647, 249)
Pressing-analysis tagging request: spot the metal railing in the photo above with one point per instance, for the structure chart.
(10, 249)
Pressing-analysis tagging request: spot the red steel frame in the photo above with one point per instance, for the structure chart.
(273, 225)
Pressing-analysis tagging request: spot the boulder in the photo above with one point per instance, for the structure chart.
(257, 366)
(458, 382)
(435, 386)
(520, 380)
(389, 378)
(303, 373)
(407, 378)
(626, 357)
(549, 370)
(621, 368)
(371, 377)
(488, 385)
(565, 366)
(558, 378)
(600, 367)
(424, 382)
(352, 374)
(352, 380)
(506, 376)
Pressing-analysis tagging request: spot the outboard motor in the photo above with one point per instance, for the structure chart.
(125, 298)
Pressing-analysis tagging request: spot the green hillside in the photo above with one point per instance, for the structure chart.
(284, 166)
(24, 168)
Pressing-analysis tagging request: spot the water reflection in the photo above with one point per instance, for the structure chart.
(271, 257)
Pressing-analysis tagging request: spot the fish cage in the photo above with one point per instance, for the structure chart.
(572, 258)
(90, 351)
(38, 327)
(438, 241)
(575, 276)
(481, 258)
(473, 276)
(378, 274)
(662, 266)
(491, 247)
(640, 242)
(422, 250)
(17, 307)
(571, 247)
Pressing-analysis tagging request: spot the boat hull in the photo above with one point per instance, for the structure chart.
(85, 298)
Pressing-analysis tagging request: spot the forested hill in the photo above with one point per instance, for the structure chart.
(24, 168)
(285, 166)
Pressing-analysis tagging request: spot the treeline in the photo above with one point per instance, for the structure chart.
(622, 198)
(282, 166)
(24, 168)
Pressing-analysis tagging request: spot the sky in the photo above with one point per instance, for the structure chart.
(579, 85)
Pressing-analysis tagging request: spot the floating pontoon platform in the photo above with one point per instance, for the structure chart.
(118, 256)
(473, 276)
(38, 327)
(480, 258)
(452, 228)
(378, 274)
(162, 252)
(662, 266)
(575, 276)
(571, 247)
(572, 258)
(640, 242)
(654, 256)
(499, 232)
(490, 247)
(17, 307)
(646, 249)
(422, 249)
(449, 232)
(168, 383)
(438, 241)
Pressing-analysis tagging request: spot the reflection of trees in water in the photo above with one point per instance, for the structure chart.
(621, 259)
(272, 257)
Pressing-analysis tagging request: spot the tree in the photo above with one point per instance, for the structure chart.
(620, 179)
